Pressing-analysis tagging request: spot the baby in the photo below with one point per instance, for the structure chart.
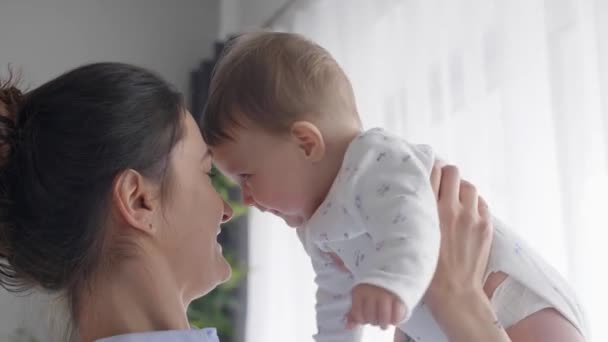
(282, 121)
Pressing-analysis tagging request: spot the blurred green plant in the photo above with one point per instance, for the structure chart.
(218, 308)
(225, 187)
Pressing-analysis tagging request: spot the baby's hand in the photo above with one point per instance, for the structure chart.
(374, 305)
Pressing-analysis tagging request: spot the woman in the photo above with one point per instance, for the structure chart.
(105, 197)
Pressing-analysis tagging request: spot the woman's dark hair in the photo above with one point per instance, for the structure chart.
(61, 146)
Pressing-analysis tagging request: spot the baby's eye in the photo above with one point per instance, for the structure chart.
(243, 177)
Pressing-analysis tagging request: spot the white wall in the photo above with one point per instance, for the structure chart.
(238, 15)
(47, 37)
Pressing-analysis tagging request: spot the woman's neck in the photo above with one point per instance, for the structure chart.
(134, 298)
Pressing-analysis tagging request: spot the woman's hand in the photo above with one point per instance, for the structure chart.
(466, 237)
(456, 296)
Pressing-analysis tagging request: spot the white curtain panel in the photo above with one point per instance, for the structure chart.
(513, 92)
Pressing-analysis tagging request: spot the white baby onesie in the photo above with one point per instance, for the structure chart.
(380, 217)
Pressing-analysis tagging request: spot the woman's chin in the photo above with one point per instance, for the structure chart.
(220, 274)
(224, 269)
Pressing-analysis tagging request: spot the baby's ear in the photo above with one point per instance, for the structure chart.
(309, 140)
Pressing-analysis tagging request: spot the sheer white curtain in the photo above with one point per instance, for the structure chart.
(513, 92)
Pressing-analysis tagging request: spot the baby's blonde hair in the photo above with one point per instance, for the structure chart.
(273, 79)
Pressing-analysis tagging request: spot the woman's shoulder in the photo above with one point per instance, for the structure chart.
(193, 335)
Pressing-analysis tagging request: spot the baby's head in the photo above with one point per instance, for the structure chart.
(279, 116)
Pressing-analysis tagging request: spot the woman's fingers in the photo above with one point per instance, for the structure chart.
(482, 208)
(436, 178)
(485, 220)
(468, 196)
(450, 184)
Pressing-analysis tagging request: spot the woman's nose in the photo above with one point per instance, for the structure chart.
(227, 212)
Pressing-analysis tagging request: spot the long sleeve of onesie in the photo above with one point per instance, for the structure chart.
(380, 217)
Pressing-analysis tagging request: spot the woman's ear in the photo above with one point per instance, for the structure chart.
(133, 197)
(309, 140)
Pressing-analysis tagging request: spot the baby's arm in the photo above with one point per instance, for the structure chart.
(334, 282)
(333, 301)
(395, 204)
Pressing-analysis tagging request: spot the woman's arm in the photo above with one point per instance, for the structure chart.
(456, 297)
(546, 325)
